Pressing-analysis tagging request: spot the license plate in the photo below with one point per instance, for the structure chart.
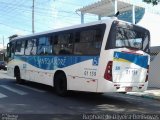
(128, 89)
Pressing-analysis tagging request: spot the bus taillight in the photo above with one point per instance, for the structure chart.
(147, 74)
(108, 72)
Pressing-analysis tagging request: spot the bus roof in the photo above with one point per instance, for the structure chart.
(109, 19)
(63, 29)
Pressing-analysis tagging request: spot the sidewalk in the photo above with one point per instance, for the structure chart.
(152, 93)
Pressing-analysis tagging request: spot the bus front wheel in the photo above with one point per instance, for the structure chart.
(60, 84)
(18, 76)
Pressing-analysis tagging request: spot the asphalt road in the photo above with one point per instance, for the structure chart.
(36, 101)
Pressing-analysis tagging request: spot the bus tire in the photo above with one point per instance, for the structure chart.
(101, 93)
(18, 75)
(60, 84)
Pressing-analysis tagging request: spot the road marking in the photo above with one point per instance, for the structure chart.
(13, 90)
(2, 95)
(34, 89)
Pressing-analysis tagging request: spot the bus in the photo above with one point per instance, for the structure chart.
(103, 56)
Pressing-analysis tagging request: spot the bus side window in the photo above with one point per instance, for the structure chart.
(48, 46)
(41, 45)
(27, 49)
(12, 45)
(77, 37)
(98, 39)
(63, 44)
(44, 45)
(20, 46)
(31, 47)
(23, 47)
(51, 45)
(34, 47)
(90, 42)
(56, 45)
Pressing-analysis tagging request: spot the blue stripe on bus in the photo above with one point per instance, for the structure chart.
(139, 60)
(54, 62)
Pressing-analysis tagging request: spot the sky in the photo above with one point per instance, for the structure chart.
(16, 15)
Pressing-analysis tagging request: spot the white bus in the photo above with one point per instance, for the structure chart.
(104, 56)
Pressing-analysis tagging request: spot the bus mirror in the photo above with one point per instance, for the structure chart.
(8, 54)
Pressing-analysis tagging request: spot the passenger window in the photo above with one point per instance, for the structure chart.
(12, 45)
(44, 46)
(63, 44)
(18, 48)
(31, 47)
(49, 46)
(88, 42)
(23, 47)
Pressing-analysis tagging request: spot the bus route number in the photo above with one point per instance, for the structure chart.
(90, 73)
(132, 71)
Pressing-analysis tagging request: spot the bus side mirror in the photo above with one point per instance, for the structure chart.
(8, 53)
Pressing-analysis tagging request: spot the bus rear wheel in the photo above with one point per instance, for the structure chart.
(123, 92)
(60, 84)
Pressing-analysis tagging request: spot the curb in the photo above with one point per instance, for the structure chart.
(151, 97)
(146, 96)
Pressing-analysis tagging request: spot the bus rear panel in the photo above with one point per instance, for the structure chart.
(124, 64)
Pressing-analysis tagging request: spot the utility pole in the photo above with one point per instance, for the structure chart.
(33, 17)
(3, 41)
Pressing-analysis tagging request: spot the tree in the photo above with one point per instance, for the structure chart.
(154, 2)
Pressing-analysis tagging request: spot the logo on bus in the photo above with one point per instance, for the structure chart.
(116, 56)
(95, 61)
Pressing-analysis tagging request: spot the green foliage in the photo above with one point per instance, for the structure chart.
(154, 2)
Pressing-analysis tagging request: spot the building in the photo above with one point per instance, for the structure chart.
(133, 11)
